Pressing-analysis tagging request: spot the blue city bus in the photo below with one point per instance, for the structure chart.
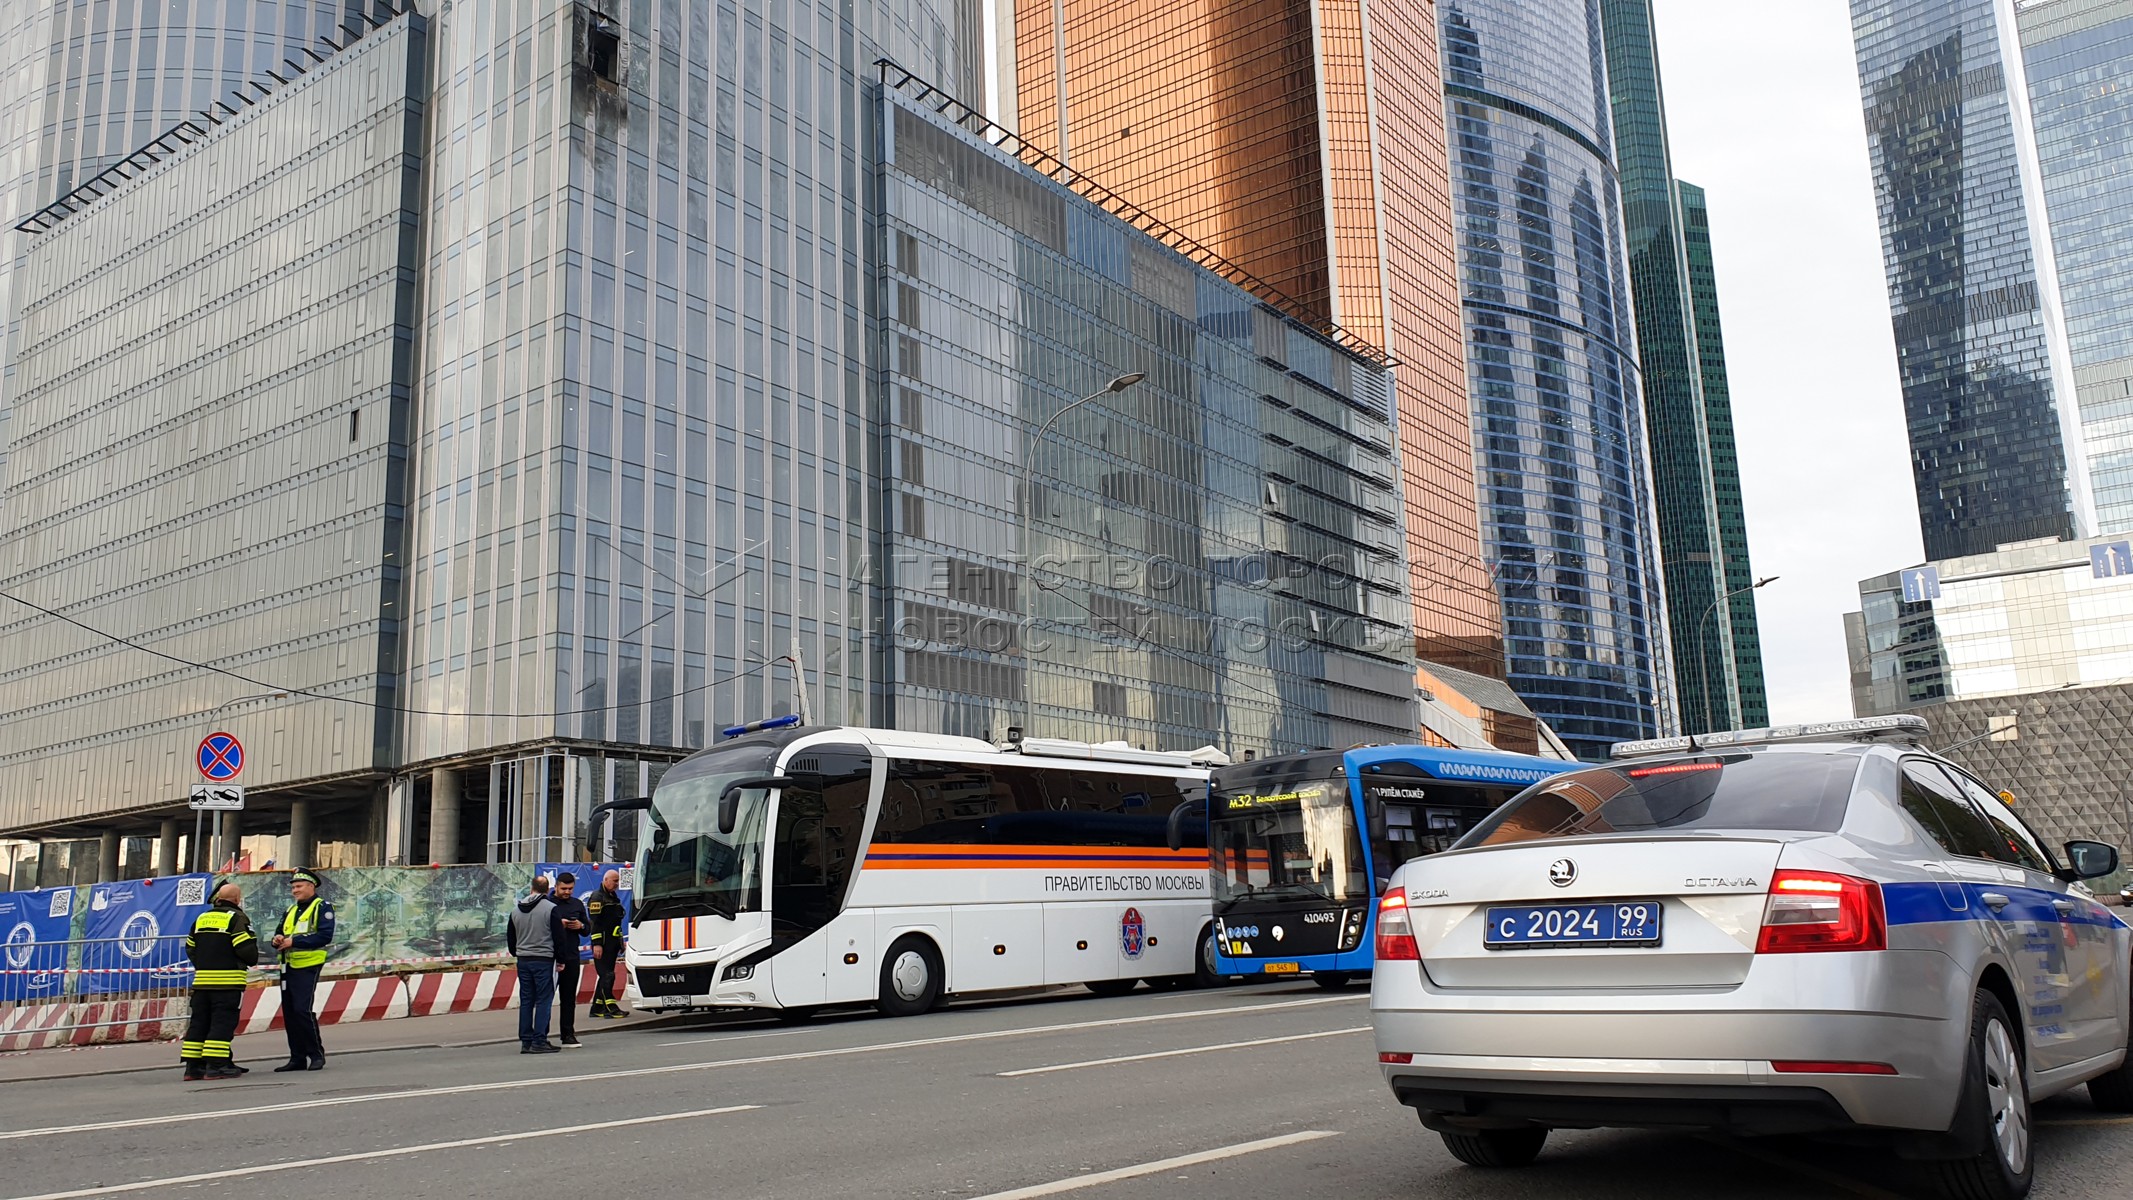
(1300, 846)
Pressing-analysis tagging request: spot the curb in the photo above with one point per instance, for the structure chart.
(650, 1022)
(339, 1002)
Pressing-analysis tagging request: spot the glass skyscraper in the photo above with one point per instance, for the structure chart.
(1300, 140)
(1747, 640)
(1717, 655)
(547, 387)
(1559, 428)
(2001, 161)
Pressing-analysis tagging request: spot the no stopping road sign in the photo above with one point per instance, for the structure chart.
(220, 757)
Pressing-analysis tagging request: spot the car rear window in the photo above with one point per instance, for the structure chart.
(1795, 791)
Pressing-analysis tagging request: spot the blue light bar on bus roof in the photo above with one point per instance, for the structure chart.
(785, 722)
(1905, 728)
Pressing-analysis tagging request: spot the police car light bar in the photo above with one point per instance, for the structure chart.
(1866, 729)
(785, 722)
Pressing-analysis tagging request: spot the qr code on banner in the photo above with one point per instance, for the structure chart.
(62, 903)
(628, 882)
(192, 893)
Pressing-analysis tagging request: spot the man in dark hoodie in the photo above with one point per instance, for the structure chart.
(569, 920)
(531, 937)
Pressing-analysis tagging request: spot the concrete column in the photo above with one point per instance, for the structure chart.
(167, 847)
(445, 788)
(232, 834)
(107, 857)
(300, 846)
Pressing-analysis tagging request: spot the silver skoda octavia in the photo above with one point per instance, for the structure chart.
(1808, 929)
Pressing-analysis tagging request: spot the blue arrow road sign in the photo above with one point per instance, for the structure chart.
(220, 757)
(2111, 560)
(1921, 584)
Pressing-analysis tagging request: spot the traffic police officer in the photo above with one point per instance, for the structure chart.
(605, 907)
(306, 931)
(221, 947)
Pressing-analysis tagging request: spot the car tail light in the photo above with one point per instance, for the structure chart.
(1794, 1066)
(1818, 910)
(1395, 1058)
(1396, 934)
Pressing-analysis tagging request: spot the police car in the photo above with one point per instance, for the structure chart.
(1807, 929)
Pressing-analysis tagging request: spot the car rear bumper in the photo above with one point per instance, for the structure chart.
(1451, 1101)
(1689, 1058)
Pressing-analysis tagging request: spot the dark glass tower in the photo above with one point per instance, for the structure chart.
(1745, 634)
(1971, 285)
(1686, 479)
(1552, 366)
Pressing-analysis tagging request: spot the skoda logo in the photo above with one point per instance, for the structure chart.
(1562, 872)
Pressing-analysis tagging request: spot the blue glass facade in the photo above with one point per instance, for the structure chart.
(1559, 434)
(1970, 285)
(2079, 58)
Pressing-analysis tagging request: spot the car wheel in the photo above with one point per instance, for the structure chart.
(1204, 972)
(1991, 1113)
(1111, 987)
(910, 978)
(1496, 1147)
(1332, 981)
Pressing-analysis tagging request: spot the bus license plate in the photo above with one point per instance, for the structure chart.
(1552, 926)
(1283, 968)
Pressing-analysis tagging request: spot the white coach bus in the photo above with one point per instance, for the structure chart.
(793, 868)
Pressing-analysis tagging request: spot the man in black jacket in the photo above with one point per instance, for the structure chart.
(608, 943)
(570, 919)
(221, 947)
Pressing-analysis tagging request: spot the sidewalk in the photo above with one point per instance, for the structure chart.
(260, 1051)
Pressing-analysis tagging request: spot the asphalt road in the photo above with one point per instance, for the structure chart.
(1244, 1092)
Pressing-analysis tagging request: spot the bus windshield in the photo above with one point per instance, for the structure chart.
(690, 868)
(1286, 839)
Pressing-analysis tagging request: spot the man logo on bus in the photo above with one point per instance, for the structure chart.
(1132, 933)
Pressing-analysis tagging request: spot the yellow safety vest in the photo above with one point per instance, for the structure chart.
(293, 923)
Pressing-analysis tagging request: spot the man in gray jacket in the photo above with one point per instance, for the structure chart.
(532, 940)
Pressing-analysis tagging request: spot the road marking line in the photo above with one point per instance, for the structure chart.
(711, 1038)
(671, 1069)
(1126, 1058)
(1803, 1169)
(368, 1155)
(1099, 1178)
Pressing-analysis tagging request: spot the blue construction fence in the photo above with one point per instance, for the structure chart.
(129, 937)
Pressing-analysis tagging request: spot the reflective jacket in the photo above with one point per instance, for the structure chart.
(605, 908)
(311, 927)
(221, 946)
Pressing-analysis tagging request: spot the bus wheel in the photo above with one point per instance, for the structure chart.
(1111, 987)
(1332, 981)
(910, 978)
(1204, 973)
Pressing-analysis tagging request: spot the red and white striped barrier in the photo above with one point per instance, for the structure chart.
(340, 1002)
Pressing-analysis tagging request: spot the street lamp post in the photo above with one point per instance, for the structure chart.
(1703, 671)
(1029, 598)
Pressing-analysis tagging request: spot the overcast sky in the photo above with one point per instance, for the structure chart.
(1764, 114)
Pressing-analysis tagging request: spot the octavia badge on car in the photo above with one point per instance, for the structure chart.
(1562, 872)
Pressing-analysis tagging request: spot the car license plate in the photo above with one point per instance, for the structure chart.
(1283, 968)
(1551, 926)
